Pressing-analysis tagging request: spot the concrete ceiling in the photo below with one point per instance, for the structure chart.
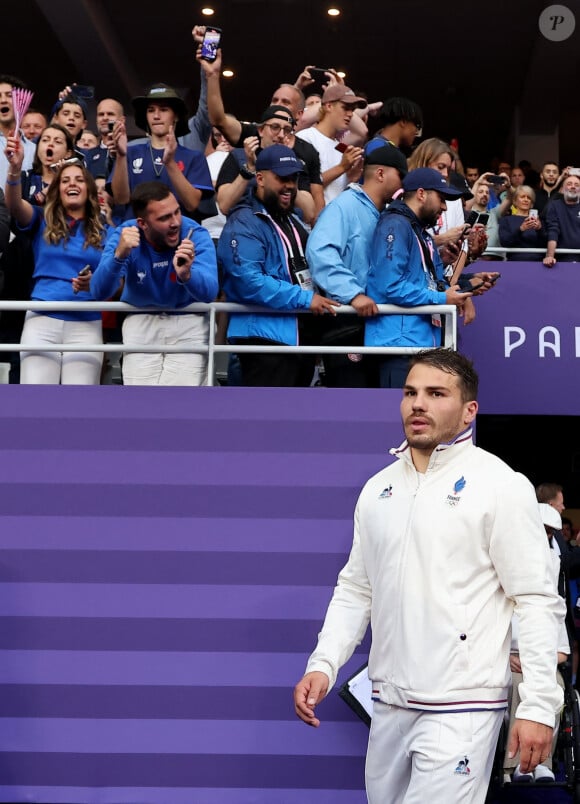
(468, 65)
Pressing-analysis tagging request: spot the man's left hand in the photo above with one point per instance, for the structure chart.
(534, 742)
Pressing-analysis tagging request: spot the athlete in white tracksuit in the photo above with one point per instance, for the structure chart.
(440, 560)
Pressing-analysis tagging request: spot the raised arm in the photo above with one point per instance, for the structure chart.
(229, 125)
(20, 209)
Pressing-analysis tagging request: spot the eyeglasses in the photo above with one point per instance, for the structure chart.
(276, 128)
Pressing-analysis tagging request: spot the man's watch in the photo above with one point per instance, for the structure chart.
(246, 173)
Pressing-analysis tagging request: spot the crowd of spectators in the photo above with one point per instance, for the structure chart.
(358, 163)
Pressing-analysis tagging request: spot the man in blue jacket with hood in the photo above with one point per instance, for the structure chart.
(406, 270)
(261, 252)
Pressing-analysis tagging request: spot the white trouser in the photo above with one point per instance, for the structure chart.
(189, 329)
(416, 757)
(66, 368)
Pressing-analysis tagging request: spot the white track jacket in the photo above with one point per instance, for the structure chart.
(438, 564)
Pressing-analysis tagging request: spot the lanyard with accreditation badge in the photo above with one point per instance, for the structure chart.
(297, 265)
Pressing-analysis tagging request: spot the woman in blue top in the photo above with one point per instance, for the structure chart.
(67, 238)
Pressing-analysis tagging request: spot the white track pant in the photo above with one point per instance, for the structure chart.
(443, 758)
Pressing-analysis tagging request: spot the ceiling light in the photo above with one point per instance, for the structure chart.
(207, 11)
(228, 73)
(333, 12)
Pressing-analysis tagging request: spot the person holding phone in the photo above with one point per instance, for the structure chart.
(166, 260)
(522, 229)
(338, 167)
(67, 234)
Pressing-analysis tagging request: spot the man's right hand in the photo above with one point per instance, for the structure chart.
(129, 239)
(309, 691)
(454, 296)
(320, 305)
(364, 305)
(549, 262)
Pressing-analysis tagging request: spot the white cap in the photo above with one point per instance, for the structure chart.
(550, 516)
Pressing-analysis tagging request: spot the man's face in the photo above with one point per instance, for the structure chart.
(72, 117)
(409, 133)
(504, 167)
(549, 174)
(472, 175)
(6, 108)
(431, 208)
(432, 409)
(275, 130)
(558, 502)
(161, 223)
(339, 114)
(160, 119)
(391, 182)
(571, 190)
(288, 97)
(517, 177)
(33, 124)
(108, 110)
(482, 196)
(277, 193)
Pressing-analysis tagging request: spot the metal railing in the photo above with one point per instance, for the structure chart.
(503, 250)
(211, 348)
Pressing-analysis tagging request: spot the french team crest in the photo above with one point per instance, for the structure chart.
(454, 498)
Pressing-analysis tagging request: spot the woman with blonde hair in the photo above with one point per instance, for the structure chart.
(67, 237)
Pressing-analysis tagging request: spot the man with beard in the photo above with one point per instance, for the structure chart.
(436, 569)
(261, 253)
(7, 84)
(548, 189)
(405, 269)
(162, 260)
(563, 223)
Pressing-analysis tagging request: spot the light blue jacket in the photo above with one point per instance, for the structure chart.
(339, 246)
(398, 276)
(255, 271)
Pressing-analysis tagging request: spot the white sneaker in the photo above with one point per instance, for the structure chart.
(522, 778)
(543, 774)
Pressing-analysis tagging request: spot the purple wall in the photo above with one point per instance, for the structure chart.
(166, 558)
(525, 340)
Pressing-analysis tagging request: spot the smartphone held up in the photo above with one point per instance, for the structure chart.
(211, 43)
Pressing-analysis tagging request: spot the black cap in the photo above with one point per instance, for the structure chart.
(389, 156)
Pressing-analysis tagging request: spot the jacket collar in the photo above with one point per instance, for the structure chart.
(442, 454)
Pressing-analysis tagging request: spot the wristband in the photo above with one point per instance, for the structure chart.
(13, 183)
(246, 173)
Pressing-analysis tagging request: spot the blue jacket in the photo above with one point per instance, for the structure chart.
(255, 269)
(339, 246)
(563, 226)
(150, 279)
(398, 276)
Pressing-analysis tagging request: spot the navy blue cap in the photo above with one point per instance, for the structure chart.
(72, 98)
(280, 159)
(428, 179)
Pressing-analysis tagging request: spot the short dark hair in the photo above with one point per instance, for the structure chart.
(145, 192)
(15, 83)
(395, 109)
(546, 492)
(453, 363)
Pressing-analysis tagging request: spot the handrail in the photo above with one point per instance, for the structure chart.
(527, 250)
(211, 348)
